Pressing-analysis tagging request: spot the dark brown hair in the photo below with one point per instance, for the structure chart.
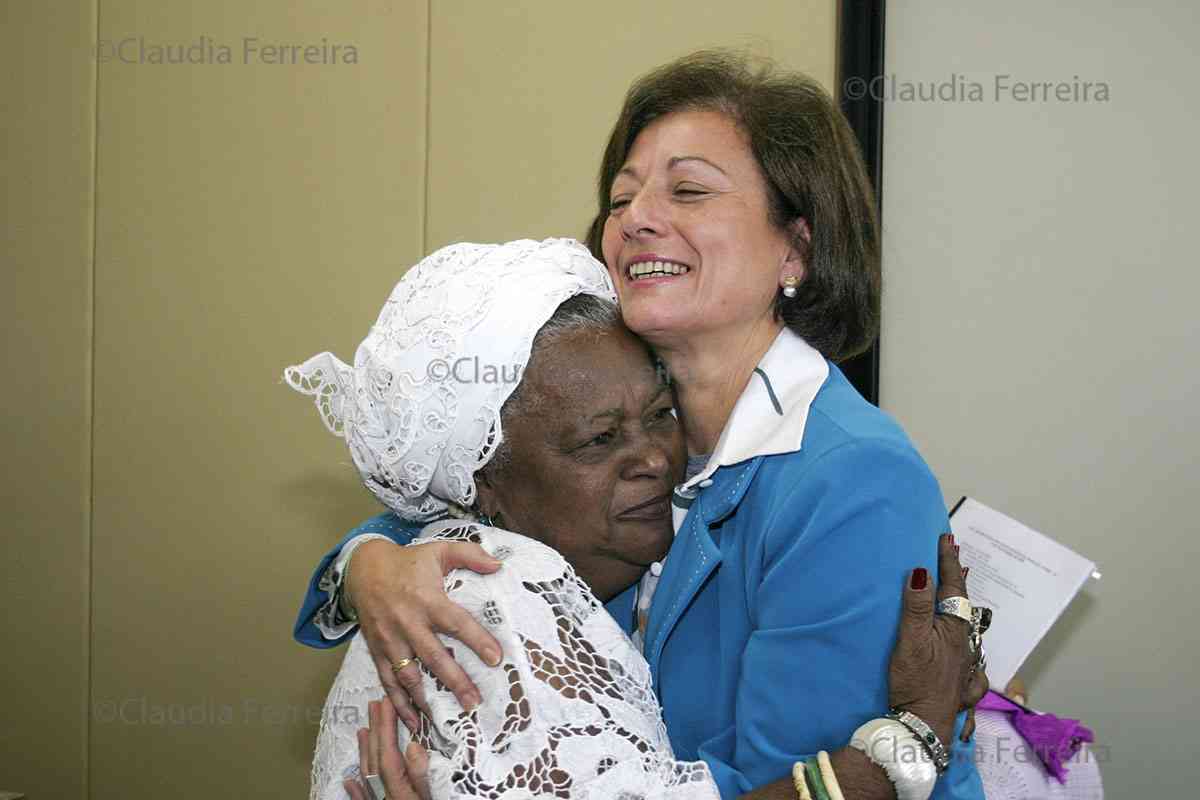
(813, 170)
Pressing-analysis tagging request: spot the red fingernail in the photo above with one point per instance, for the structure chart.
(951, 535)
(956, 551)
(920, 577)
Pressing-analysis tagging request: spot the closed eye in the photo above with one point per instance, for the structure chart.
(599, 441)
(690, 190)
(665, 414)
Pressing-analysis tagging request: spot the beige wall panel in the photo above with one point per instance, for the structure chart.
(48, 102)
(250, 215)
(523, 95)
(1040, 335)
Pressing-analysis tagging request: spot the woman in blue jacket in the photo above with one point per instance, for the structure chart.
(738, 227)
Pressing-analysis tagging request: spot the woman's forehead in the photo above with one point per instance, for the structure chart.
(589, 371)
(695, 134)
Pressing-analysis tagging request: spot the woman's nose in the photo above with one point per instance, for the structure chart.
(643, 216)
(648, 459)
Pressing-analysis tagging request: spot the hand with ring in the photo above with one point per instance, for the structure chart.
(385, 772)
(400, 599)
(933, 651)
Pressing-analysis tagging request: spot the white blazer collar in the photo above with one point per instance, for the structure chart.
(770, 415)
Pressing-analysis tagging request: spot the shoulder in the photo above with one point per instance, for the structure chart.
(847, 443)
(856, 468)
(839, 415)
(387, 524)
(525, 560)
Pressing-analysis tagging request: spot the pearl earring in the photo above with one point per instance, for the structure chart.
(789, 286)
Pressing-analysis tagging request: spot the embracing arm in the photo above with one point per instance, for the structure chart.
(398, 596)
(929, 654)
(927, 663)
(834, 551)
(318, 624)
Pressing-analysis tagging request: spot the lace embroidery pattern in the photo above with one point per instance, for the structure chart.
(417, 425)
(569, 713)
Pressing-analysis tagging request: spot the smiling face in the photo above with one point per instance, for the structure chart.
(689, 241)
(594, 458)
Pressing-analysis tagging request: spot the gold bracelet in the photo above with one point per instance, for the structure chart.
(831, 784)
(799, 781)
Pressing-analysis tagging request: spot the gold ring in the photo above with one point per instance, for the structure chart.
(404, 662)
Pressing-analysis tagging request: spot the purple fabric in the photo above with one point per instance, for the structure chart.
(1054, 740)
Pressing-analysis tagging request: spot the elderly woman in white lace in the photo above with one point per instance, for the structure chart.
(493, 373)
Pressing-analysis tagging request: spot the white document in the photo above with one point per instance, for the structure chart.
(1026, 578)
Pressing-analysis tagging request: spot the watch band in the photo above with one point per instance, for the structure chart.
(933, 745)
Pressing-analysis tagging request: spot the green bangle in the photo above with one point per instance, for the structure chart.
(816, 783)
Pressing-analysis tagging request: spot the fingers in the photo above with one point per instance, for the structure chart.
(404, 686)
(439, 661)
(916, 619)
(452, 620)
(1016, 690)
(977, 687)
(416, 760)
(403, 607)
(392, 766)
(951, 582)
(401, 686)
(374, 739)
(354, 790)
(468, 555)
(364, 750)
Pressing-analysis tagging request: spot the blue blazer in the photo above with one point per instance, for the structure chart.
(773, 623)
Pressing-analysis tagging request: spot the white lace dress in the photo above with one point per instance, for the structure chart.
(570, 712)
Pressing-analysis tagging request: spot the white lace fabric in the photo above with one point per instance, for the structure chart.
(569, 713)
(420, 407)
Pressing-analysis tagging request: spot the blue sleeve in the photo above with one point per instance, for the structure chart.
(837, 548)
(306, 631)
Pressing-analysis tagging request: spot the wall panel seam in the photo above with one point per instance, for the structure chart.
(90, 409)
(425, 145)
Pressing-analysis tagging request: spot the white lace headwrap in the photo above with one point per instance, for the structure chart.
(420, 408)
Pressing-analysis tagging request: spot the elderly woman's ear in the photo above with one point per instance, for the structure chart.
(486, 501)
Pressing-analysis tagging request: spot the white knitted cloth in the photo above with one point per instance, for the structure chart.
(569, 713)
(1012, 771)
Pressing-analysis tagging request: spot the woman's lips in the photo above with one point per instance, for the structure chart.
(644, 270)
(655, 280)
(650, 511)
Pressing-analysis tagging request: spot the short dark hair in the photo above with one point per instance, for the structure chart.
(813, 169)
